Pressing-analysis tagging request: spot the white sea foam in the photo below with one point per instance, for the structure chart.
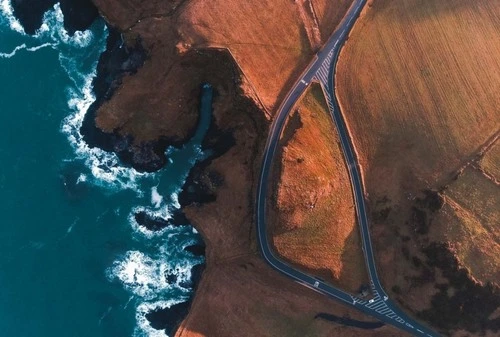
(81, 178)
(156, 198)
(7, 13)
(146, 277)
(175, 199)
(105, 167)
(53, 28)
(12, 53)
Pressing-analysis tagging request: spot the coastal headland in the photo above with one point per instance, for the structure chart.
(442, 114)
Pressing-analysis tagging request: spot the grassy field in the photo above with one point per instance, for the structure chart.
(470, 220)
(418, 83)
(315, 224)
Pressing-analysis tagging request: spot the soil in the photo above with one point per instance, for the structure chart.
(423, 113)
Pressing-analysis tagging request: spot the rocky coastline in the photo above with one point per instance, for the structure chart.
(78, 14)
(122, 59)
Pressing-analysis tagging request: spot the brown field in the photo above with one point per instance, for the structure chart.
(269, 41)
(245, 298)
(419, 105)
(314, 225)
(418, 83)
(490, 163)
(272, 43)
(421, 78)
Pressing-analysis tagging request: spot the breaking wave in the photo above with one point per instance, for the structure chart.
(74, 52)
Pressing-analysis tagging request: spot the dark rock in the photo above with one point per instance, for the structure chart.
(198, 187)
(78, 14)
(196, 273)
(196, 249)
(117, 61)
(154, 223)
(168, 319)
(416, 261)
(171, 277)
(217, 141)
(30, 13)
(201, 183)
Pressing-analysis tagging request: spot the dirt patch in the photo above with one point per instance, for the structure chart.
(313, 225)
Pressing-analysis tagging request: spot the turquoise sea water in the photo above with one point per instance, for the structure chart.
(73, 262)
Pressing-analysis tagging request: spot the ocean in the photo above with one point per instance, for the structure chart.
(73, 259)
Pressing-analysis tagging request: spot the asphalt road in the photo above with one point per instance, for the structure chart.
(322, 68)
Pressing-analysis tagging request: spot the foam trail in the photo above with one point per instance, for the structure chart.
(24, 47)
(41, 46)
(12, 53)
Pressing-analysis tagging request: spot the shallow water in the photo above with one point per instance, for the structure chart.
(73, 262)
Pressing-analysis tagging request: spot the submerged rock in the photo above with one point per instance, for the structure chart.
(196, 249)
(154, 223)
